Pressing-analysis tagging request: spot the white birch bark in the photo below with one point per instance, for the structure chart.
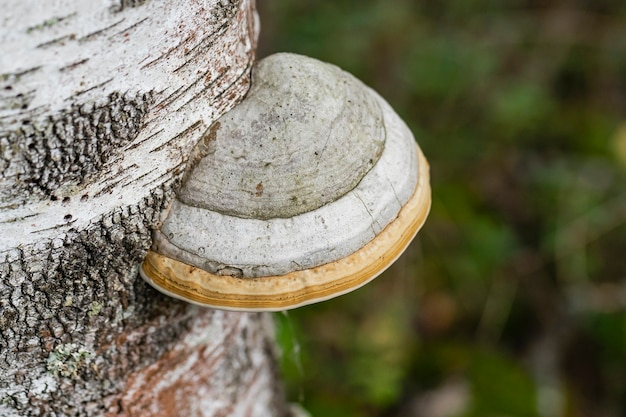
(100, 103)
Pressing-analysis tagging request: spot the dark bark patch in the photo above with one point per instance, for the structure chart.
(127, 4)
(68, 149)
(73, 318)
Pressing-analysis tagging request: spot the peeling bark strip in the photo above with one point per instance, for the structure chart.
(164, 389)
(98, 111)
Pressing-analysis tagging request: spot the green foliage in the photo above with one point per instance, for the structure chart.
(511, 302)
(500, 387)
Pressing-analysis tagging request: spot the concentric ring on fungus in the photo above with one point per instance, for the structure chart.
(279, 209)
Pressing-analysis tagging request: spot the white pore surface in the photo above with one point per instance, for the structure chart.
(142, 49)
(213, 241)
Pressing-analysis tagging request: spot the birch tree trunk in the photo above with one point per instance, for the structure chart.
(100, 103)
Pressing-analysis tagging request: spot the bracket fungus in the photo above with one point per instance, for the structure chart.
(307, 189)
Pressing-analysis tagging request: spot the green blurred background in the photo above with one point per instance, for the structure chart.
(511, 301)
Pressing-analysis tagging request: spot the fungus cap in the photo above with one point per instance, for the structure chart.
(307, 189)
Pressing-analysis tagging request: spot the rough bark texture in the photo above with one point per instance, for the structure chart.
(98, 111)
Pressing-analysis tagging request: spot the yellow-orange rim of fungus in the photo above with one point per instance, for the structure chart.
(298, 288)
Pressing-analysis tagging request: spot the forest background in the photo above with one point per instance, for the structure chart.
(511, 302)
